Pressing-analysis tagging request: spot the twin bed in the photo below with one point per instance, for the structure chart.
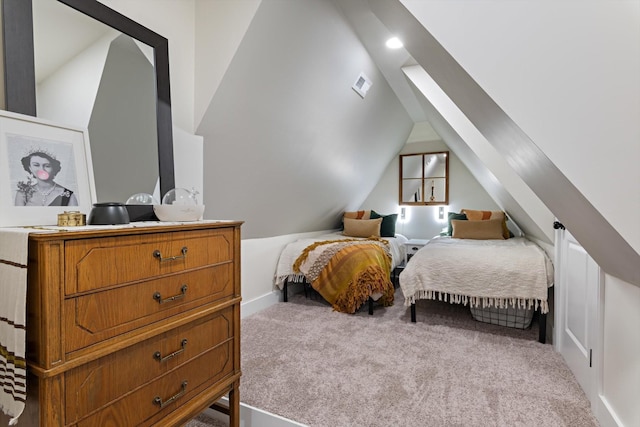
(499, 277)
(477, 262)
(347, 271)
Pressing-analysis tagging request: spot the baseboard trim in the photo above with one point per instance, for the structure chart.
(258, 304)
(253, 417)
(605, 414)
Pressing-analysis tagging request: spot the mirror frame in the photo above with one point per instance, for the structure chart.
(423, 178)
(19, 63)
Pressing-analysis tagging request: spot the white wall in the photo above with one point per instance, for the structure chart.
(76, 83)
(187, 155)
(620, 387)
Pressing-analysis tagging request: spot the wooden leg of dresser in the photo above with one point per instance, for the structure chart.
(234, 405)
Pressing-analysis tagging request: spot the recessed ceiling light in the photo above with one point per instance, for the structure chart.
(394, 43)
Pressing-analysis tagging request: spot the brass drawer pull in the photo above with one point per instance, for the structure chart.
(158, 356)
(158, 400)
(158, 297)
(158, 254)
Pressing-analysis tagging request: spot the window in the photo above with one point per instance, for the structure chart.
(424, 178)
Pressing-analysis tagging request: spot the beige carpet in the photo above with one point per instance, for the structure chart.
(307, 363)
(204, 420)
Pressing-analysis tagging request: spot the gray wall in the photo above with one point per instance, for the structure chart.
(288, 145)
(122, 127)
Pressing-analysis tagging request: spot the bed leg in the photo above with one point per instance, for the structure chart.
(370, 306)
(284, 290)
(413, 312)
(542, 324)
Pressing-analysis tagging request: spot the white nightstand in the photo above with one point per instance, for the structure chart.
(412, 246)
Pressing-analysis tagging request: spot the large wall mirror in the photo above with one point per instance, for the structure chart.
(89, 66)
(424, 178)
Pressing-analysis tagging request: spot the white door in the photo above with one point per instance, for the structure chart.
(577, 292)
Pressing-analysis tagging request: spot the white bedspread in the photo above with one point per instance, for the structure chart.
(483, 273)
(292, 251)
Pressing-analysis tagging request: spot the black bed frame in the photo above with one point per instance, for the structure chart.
(308, 289)
(542, 322)
(542, 318)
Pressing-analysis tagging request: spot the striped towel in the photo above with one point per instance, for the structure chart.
(13, 289)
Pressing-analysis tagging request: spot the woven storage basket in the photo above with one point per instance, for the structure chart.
(519, 318)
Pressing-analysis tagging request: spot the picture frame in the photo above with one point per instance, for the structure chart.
(45, 170)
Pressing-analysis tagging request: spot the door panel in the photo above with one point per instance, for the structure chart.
(579, 289)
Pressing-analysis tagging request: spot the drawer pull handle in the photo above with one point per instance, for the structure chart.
(158, 254)
(158, 400)
(158, 356)
(158, 297)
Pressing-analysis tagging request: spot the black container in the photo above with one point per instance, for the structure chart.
(110, 213)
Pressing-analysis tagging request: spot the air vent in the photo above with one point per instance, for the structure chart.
(362, 85)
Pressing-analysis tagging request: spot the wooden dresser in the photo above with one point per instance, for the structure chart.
(134, 326)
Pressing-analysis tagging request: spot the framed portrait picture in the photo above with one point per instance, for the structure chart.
(45, 169)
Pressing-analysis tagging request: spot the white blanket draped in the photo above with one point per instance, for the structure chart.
(291, 252)
(483, 273)
(13, 289)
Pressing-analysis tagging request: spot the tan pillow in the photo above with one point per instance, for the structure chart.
(358, 215)
(476, 215)
(362, 227)
(486, 230)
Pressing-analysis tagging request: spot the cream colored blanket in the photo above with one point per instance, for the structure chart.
(291, 252)
(13, 322)
(483, 273)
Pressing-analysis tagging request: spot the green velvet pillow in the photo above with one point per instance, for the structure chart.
(454, 215)
(388, 226)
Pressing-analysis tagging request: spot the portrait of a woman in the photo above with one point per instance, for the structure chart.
(41, 189)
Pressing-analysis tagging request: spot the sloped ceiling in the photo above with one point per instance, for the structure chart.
(288, 145)
(603, 242)
(507, 188)
(402, 72)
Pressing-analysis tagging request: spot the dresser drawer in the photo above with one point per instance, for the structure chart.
(195, 353)
(98, 316)
(167, 393)
(92, 264)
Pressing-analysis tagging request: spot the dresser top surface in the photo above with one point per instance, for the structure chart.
(145, 227)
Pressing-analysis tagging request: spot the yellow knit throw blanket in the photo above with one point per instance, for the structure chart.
(347, 272)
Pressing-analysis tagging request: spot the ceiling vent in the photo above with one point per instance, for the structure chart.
(362, 85)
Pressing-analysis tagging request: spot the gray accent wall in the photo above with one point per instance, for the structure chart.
(122, 127)
(288, 145)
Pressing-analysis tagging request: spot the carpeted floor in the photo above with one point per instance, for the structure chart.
(305, 362)
(204, 420)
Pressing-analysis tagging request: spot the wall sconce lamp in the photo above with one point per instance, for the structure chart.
(403, 213)
(441, 212)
